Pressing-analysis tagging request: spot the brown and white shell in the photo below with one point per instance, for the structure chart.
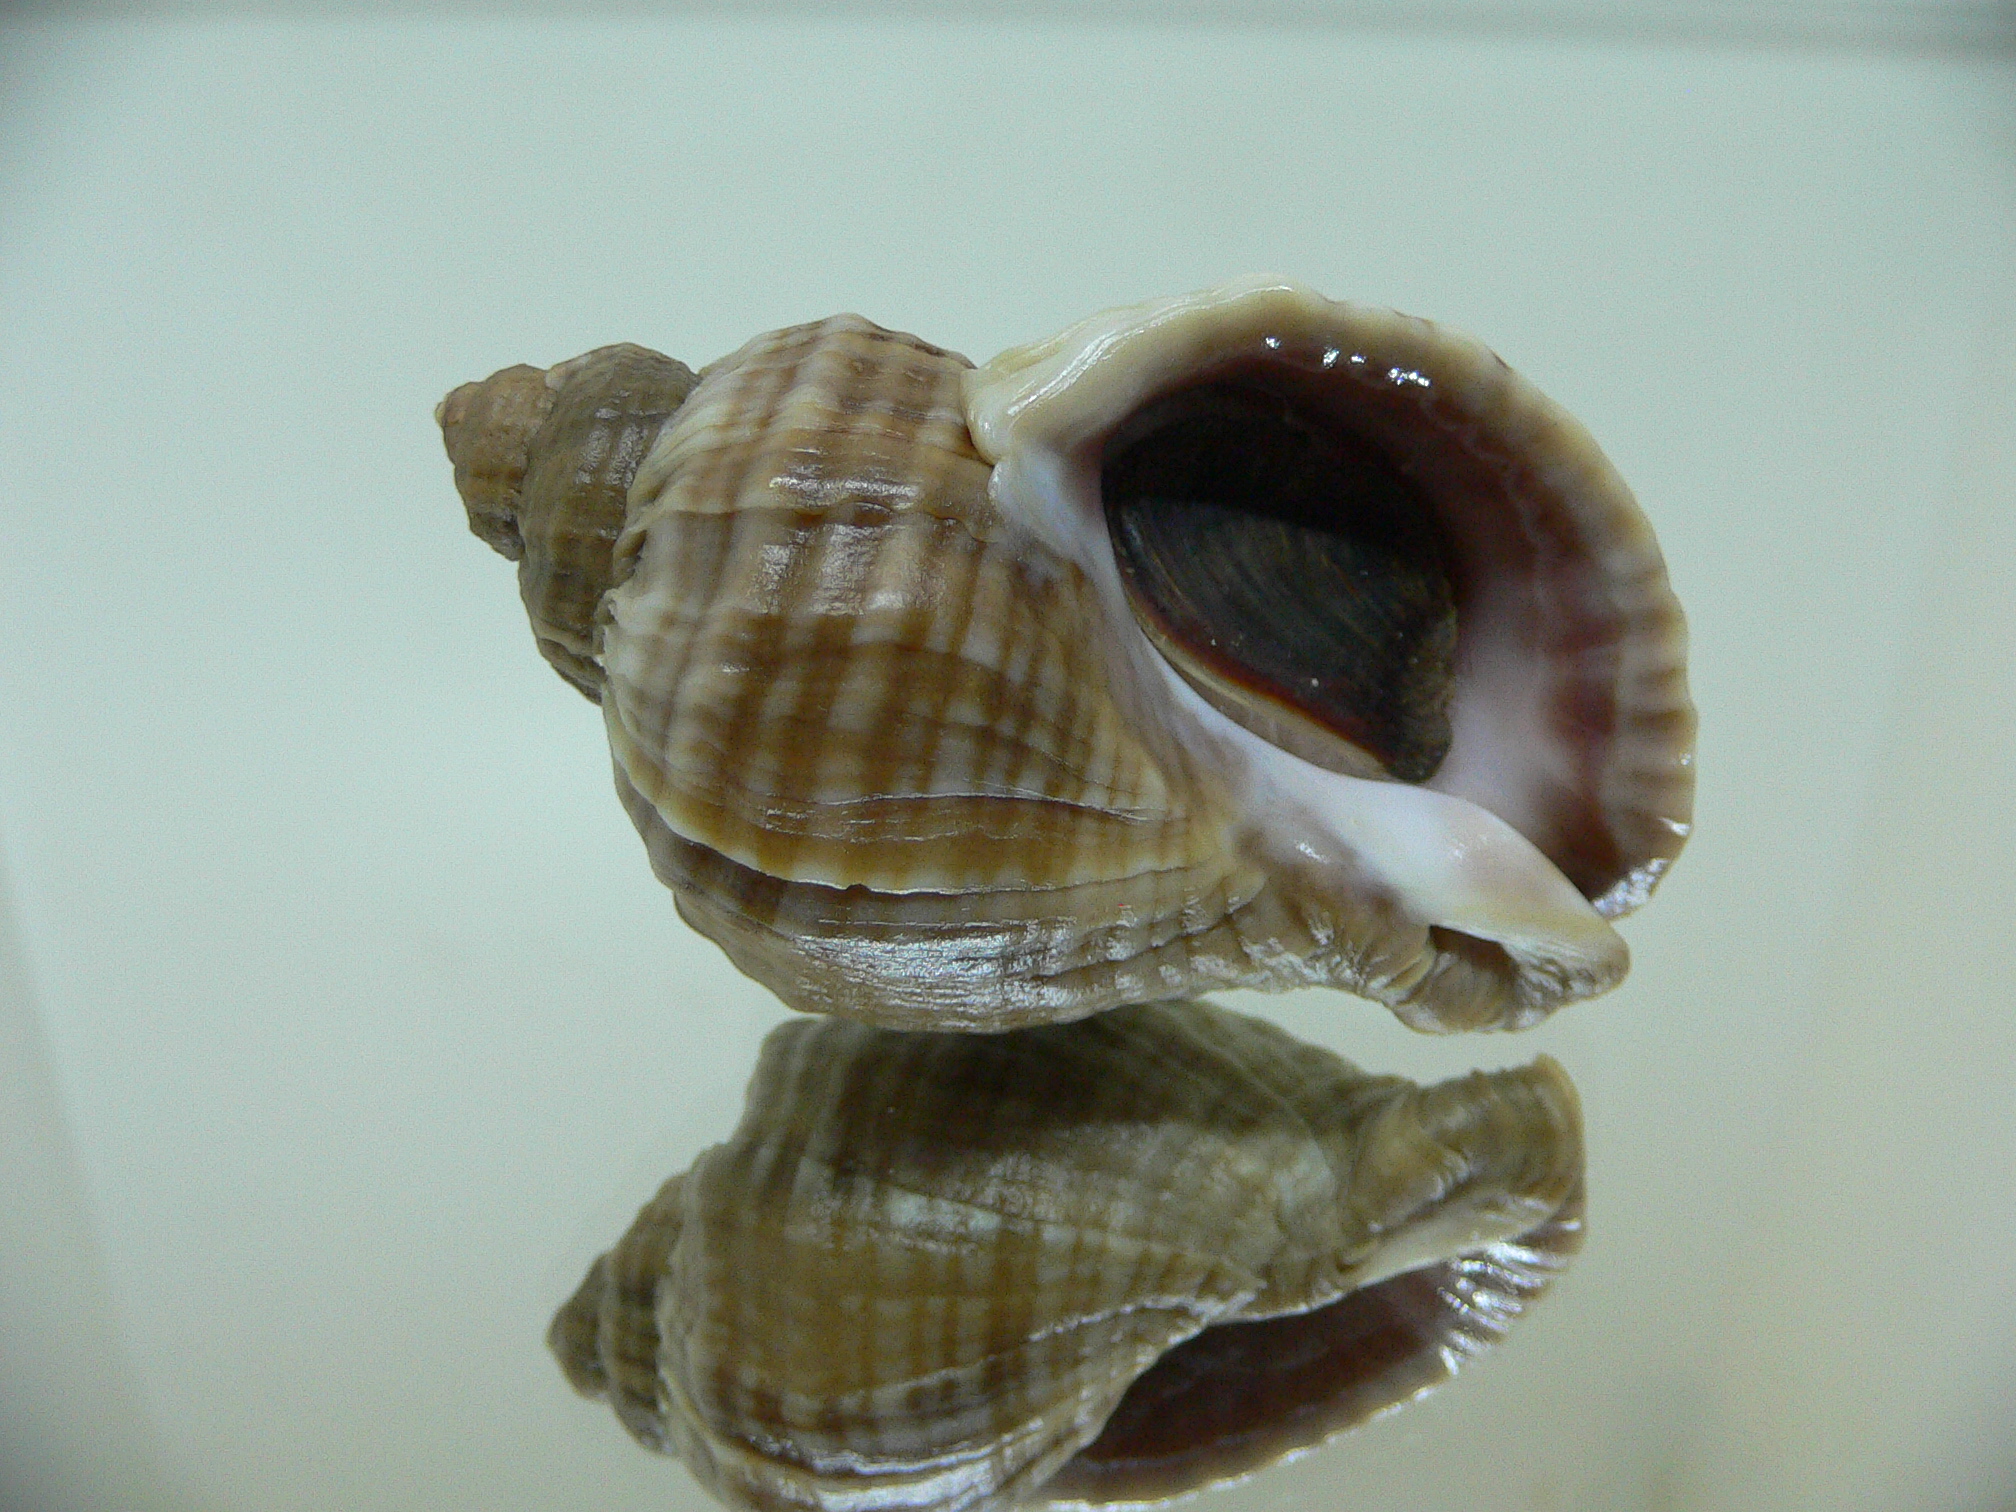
(971, 698)
(1105, 1261)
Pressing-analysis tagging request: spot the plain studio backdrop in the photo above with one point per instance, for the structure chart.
(341, 1021)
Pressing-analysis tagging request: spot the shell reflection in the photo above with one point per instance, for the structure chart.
(1106, 1261)
(1241, 639)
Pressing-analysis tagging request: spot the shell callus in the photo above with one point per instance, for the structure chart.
(1291, 573)
(1111, 1260)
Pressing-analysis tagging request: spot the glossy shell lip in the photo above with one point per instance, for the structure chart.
(1570, 633)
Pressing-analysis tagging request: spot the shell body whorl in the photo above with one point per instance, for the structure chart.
(834, 660)
(1104, 1261)
(874, 733)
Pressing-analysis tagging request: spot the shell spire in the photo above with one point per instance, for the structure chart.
(543, 461)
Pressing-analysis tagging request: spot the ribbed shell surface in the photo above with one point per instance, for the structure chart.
(834, 663)
(927, 1268)
(839, 683)
(543, 461)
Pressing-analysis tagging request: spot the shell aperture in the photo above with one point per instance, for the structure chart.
(1107, 1261)
(1279, 561)
(967, 698)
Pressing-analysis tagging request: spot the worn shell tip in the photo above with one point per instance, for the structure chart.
(543, 460)
(486, 427)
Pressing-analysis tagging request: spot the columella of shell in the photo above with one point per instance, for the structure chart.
(1243, 639)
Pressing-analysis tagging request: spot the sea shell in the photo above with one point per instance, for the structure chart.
(931, 713)
(1104, 1261)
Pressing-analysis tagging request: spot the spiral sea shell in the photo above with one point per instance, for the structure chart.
(1239, 639)
(1103, 1261)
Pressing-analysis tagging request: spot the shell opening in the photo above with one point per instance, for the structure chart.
(1241, 1395)
(1290, 570)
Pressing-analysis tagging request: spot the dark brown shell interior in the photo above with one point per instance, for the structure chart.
(1560, 636)
(1291, 572)
(1239, 1396)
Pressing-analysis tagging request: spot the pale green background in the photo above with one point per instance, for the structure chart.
(341, 1022)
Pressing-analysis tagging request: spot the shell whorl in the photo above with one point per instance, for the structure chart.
(543, 461)
(837, 663)
(1111, 1260)
(862, 719)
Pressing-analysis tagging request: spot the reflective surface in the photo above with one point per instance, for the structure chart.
(927, 1269)
(341, 982)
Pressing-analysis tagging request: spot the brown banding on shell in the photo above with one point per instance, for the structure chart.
(1118, 1259)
